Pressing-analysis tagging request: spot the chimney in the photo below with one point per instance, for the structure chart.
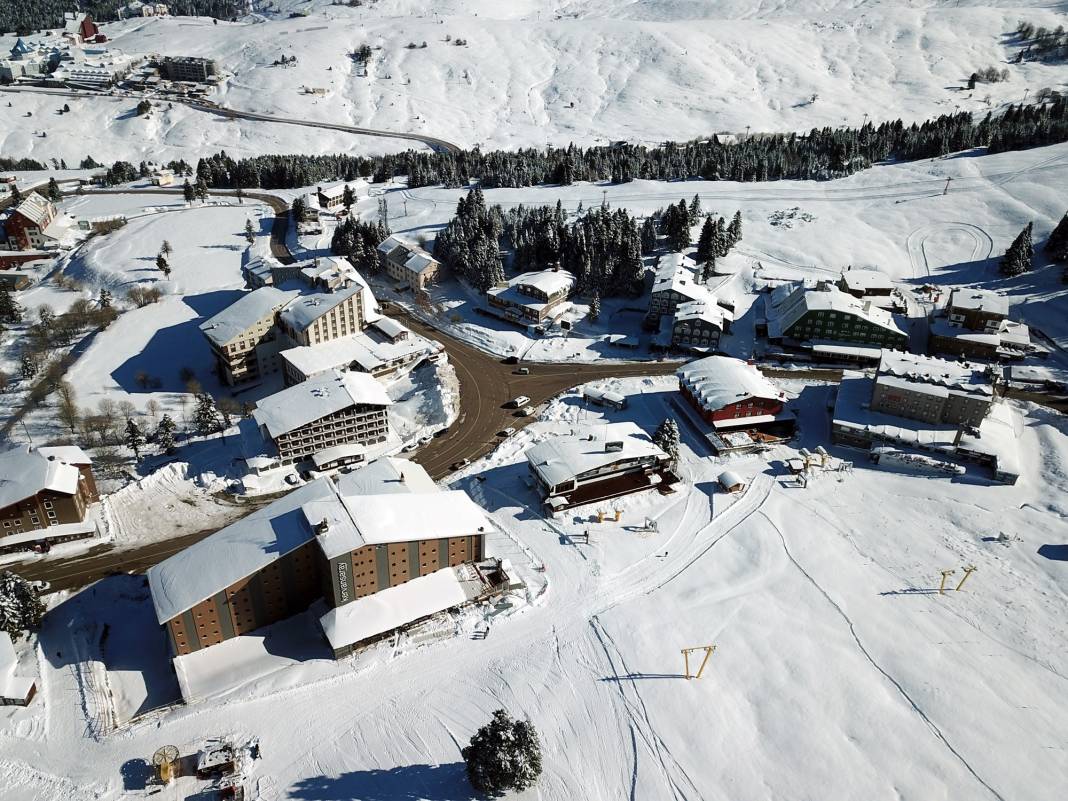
(322, 526)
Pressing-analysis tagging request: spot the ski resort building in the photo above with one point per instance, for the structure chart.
(187, 68)
(975, 325)
(332, 196)
(699, 324)
(531, 298)
(46, 489)
(931, 405)
(730, 394)
(325, 412)
(243, 337)
(407, 263)
(382, 527)
(804, 316)
(676, 283)
(385, 348)
(29, 225)
(618, 459)
(866, 284)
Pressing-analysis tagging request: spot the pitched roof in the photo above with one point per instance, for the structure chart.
(979, 300)
(547, 281)
(36, 209)
(25, 471)
(358, 349)
(866, 280)
(245, 312)
(966, 377)
(718, 381)
(704, 310)
(303, 311)
(196, 573)
(315, 398)
(559, 459)
(829, 298)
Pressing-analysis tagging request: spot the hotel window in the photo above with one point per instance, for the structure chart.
(47, 504)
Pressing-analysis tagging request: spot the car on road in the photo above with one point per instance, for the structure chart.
(460, 465)
(518, 403)
(526, 411)
(426, 440)
(507, 432)
(523, 371)
(411, 446)
(292, 479)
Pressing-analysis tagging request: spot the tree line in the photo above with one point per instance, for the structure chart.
(1041, 43)
(821, 154)
(27, 16)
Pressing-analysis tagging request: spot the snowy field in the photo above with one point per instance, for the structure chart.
(840, 672)
(532, 72)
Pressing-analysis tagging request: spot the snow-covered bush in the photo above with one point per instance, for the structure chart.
(20, 608)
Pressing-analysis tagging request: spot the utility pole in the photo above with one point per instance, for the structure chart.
(945, 575)
(708, 649)
(967, 572)
(949, 180)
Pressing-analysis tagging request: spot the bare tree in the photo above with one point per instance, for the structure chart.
(127, 410)
(108, 412)
(193, 386)
(68, 406)
(152, 410)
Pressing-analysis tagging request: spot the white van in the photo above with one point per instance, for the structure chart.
(520, 402)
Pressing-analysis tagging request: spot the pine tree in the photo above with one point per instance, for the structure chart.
(16, 195)
(53, 191)
(300, 209)
(503, 755)
(163, 266)
(104, 302)
(705, 249)
(595, 306)
(250, 234)
(1017, 259)
(206, 416)
(188, 192)
(20, 607)
(165, 434)
(133, 437)
(667, 438)
(10, 310)
(708, 269)
(734, 230)
(1057, 244)
(201, 189)
(694, 211)
(723, 244)
(348, 197)
(648, 236)
(165, 248)
(28, 365)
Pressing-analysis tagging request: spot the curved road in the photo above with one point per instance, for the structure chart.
(434, 143)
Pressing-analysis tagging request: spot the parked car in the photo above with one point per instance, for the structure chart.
(523, 371)
(411, 446)
(518, 403)
(526, 411)
(506, 432)
(292, 479)
(460, 465)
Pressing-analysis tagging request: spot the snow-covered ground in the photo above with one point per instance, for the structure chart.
(840, 672)
(581, 71)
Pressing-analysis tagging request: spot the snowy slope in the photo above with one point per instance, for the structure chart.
(642, 71)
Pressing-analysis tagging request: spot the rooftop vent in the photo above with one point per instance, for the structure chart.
(322, 526)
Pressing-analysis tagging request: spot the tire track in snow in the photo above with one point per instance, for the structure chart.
(871, 660)
(674, 774)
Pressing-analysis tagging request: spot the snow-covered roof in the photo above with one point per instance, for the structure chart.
(35, 208)
(979, 300)
(391, 243)
(330, 269)
(332, 454)
(360, 349)
(385, 475)
(390, 327)
(418, 262)
(728, 479)
(833, 349)
(395, 517)
(917, 370)
(671, 263)
(196, 573)
(561, 458)
(866, 281)
(71, 454)
(702, 310)
(233, 321)
(548, 281)
(315, 398)
(303, 311)
(337, 189)
(395, 607)
(720, 380)
(24, 472)
(11, 686)
(829, 298)
(678, 273)
(414, 257)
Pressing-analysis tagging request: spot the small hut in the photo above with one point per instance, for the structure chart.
(731, 481)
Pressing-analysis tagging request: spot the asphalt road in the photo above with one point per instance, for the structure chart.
(433, 142)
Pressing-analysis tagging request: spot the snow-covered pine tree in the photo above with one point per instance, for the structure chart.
(163, 266)
(165, 434)
(667, 438)
(133, 438)
(188, 192)
(734, 230)
(1057, 244)
(348, 197)
(648, 236)
(53, 191)
(20, 607)
(503, 755)
(250, 233)
(723, 244)
(206, 416)
(104, 301)
(28, 365)
(595, 306)
(1018, 257)
(694, 210)
(705, 241)
(10, 310)
(708, 269)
